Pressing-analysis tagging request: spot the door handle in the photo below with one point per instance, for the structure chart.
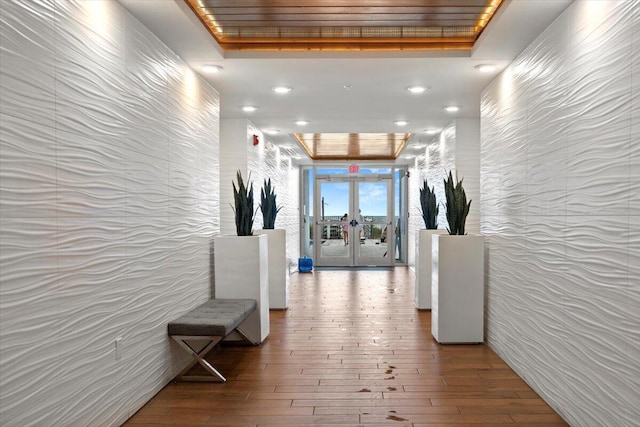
(353, 222)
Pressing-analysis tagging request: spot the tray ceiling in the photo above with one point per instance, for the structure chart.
(352, 146)
(342, 25)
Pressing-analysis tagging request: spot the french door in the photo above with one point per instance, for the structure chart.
(366, 235)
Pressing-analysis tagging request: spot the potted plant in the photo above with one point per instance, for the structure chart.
(457, 206)
(268, 205)
(277, 243)
(429, 205)
(457, 314)
(240, 264)
(243, 209)
(430, 210)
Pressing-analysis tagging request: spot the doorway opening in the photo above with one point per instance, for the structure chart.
(354, 220)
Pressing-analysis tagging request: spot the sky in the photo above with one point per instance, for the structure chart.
(372, 195)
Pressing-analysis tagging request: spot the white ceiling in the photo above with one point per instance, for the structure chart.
(378, 80)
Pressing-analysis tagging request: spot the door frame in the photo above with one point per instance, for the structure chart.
(355, 256)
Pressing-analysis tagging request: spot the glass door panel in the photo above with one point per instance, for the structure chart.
(375, 230)
(333, 203)
(354, 225)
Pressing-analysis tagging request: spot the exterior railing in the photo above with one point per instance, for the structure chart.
(334, 231)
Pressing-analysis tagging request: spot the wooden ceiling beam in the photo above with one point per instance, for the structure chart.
(342, 3)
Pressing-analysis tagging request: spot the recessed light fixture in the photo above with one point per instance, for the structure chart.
(302, 122)
(272, 131)
(211, 69)
(419, 145)
(416, 89)
(431, 131)
(401, 122)
(282, 89)
(249, 108)
(485, 68)
(451, 108)
(347, 87)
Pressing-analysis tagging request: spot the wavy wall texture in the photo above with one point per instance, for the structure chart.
(237, 152)
(277, 163)
(439, 156)
(109, 198)
(560, 180)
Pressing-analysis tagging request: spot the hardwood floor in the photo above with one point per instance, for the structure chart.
(352, 350)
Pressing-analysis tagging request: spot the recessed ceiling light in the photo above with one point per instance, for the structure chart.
(282, 89)
(347, 87)
(419, 145)
(211, 69)
(416, 89)
(485, 68)
(272, 131)
(451, 108)
(401, 123)
(249, 108)
(431, 131)
(302, 122)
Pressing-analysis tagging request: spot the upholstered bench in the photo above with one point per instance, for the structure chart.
(209, 323)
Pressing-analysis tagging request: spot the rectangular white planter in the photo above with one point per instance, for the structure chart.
(278, 274)
(423, 268)
(242, 271)
(457, 289)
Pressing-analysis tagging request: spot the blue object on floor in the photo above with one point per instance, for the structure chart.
(305, 264)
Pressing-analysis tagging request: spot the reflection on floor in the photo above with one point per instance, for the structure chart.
(352, 350)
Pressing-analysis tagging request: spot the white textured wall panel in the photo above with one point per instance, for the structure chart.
(237, 152)
(109, 198)
(233, 157)
(277, 164)
(438, 159)
(560, 212)
(467, 161)
(27, 79)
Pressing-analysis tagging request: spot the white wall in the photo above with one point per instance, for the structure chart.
(455, 149)
(109, 198)
(467, 159)
(277, 164)
(233, 158)
(259, 162)
(560, 186)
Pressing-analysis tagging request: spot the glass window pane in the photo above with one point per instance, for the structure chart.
(332, 171)
(375, 171)
(334, 199)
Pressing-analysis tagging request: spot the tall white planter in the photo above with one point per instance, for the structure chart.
(242, 271)
(278, 274)
(457, 289)
(423, 268)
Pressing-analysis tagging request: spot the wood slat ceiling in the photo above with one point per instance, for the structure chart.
(352, 146)
(344, 25)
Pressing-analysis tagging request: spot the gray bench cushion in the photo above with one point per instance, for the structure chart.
(216, 317)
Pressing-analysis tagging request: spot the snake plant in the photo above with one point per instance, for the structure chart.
(268, 205)
(243, 210)
(429, 206)
(457, 206)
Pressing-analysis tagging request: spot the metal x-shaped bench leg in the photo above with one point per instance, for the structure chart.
(199, 356)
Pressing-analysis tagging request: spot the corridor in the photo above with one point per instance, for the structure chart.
(352, 350)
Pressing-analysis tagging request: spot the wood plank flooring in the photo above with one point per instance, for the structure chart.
(352, 350)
